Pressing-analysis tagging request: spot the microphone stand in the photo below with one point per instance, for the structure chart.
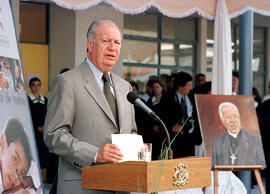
(170, 152)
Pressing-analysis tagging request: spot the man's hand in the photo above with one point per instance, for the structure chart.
(109, 153)
(176, 128)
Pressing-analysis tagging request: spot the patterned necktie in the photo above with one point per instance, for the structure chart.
(109, 96)
(184, 109)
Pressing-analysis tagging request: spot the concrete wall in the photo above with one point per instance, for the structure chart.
(16, 12)
(61, 40)
(201, 49)
(68, 30)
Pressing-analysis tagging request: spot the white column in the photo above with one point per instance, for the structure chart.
(201, 48)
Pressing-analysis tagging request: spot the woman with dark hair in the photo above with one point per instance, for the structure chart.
(258, 105)
(158, 91)
(38, 107)
(154, 104)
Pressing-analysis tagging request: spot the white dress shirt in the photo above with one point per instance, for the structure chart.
(98, 75)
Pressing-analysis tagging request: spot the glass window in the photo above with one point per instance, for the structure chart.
(209, 56)
(179, 29)
(210, 45)
(154, 46)
(186, 55)
(137, 51)
(258, 38)
(33, 20)
(140, 25)
(140, 75)
(177, 54)
(258, 62)
(258, 81)
(168, 51)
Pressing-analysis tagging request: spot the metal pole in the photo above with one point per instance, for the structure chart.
(246, 53)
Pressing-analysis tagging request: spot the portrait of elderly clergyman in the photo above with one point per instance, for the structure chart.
(86, 105)
(237, 146)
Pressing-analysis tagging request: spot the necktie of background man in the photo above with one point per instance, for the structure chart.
(183, 109)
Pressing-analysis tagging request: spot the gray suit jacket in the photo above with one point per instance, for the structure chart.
(250, 151)
(79, 121)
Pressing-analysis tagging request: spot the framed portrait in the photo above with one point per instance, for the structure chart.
(230, 129)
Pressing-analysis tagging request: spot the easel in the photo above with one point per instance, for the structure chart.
(254, 168)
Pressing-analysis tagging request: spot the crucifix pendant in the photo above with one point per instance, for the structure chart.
(233, 158)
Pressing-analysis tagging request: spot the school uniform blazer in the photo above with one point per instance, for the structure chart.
(79, 121)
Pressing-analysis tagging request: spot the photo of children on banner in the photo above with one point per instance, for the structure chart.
(11, 79)
(230, 129)
(19, 172)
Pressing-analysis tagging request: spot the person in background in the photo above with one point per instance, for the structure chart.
(200, 79)
(257, 104)
(64, 70)
(157, 93)
(235, 83)
(38, 108)
(266, 97)
(135, 87)
(154, 104)
(178, 108)
(142, 119)
(148, 90)
(169, 83)
(205, 88)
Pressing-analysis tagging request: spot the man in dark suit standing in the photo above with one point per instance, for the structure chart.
(86, 105)
(176, 107)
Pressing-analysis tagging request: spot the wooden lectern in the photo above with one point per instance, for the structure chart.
(146, 177)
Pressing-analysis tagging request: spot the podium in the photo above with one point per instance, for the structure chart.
(146, 177)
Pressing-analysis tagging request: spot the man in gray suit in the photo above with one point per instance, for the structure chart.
(81, 117)
(237, 146)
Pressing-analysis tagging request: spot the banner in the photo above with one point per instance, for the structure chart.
(19, 165)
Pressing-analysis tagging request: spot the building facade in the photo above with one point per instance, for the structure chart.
(154, 45)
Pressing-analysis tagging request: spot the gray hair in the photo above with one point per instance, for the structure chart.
(226, 104)
(92, 30)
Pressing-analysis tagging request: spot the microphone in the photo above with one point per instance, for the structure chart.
(134, 99)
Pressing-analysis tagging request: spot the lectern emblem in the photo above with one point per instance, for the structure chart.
(181, 175)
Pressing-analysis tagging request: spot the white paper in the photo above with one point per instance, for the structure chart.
(129, 144)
